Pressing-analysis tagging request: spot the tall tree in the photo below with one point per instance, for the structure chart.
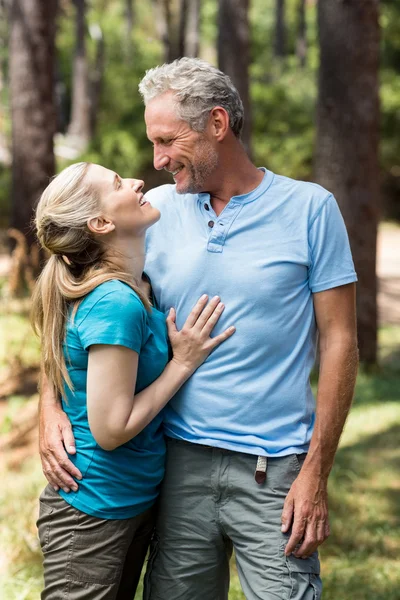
(347, 139)
(129, 18)
(234, 54)
(32, 32)
(79, 126)
(189, 29)
(166, 25)
(301, 42)
(280, 29)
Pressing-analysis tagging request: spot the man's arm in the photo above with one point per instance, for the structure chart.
(55, 436)
(306, 506)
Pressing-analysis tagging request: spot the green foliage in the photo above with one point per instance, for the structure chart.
(283, 123)
(283, 94)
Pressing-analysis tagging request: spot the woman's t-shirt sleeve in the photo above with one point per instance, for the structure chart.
(330, 254)
(117, 318)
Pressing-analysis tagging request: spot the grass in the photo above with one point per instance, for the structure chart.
(358, 560)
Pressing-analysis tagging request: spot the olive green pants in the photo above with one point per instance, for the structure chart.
(211, 504)
(86, 558)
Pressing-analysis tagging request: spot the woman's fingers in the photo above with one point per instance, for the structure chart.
(213, 317)
(171, 326)
(196, 311)
(218, 339)
(207, 312)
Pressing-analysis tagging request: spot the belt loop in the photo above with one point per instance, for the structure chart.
(260, 474)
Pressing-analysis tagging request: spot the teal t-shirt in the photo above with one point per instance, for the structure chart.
(124, 482)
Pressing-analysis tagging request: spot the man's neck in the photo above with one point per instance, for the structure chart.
(238, 183)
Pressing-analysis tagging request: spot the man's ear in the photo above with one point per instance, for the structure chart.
(100, 225)
(219, 121)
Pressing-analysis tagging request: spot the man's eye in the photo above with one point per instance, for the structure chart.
(119, 183)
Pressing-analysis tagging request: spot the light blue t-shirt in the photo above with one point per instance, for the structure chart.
(266, 254)
(124, 482)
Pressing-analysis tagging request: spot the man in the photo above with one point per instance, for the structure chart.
(248, 456)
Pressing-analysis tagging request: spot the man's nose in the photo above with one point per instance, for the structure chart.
(160, 159)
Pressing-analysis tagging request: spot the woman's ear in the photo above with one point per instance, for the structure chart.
(100, 225)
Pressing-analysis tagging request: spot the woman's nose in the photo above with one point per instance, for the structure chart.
(137, 184)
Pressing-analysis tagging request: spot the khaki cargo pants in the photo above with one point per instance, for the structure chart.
(86, 558)
(210, 504)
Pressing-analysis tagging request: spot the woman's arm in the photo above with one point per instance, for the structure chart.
(115, 413)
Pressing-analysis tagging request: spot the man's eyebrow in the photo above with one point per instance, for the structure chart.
(161, 138)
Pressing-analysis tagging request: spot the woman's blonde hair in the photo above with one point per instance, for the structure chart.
(78, 263)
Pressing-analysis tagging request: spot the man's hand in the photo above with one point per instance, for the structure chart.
(306, 510)
(55, 437)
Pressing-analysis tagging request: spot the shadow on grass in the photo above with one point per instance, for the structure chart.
(364, 500)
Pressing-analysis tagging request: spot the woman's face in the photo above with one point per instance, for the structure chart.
(122, 201)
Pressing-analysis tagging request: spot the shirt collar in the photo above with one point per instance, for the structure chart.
(250, 196)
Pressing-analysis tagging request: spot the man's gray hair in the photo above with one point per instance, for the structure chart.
(198, 88)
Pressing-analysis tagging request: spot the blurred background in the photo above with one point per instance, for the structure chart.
(321, 88)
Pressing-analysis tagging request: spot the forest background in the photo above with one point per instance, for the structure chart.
(321, 87)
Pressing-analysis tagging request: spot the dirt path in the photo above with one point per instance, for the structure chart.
(388, 269)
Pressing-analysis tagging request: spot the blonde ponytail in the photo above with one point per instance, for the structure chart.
(77, 265)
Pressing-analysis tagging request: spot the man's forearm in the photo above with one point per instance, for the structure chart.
(47, 393)
(337, 376)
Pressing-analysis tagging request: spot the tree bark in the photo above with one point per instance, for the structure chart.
(189, 28)
(348, 137)
(79, 127)
(96, 82)
(280, 29)
(167, 28)
(32, 33)
(129, 18)
(234, 54)
(301, 42)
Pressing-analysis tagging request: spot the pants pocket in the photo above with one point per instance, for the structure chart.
(98, 550)
(44, 525)
(304, 577)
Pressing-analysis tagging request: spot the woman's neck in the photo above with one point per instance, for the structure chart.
(129, 256)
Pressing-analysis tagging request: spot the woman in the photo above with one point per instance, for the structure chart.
(105, 351)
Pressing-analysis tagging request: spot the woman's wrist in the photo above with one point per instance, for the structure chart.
(183, 370)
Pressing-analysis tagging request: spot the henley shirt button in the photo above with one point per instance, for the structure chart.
(211, 224)
(206, 207)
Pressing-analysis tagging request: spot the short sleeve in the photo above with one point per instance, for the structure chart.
(118, 318)
(331, 263)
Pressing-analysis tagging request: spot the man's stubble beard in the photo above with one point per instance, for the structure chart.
(204, 164)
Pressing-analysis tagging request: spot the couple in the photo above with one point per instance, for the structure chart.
(240, 457)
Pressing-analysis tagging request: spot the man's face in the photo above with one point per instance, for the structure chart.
(189, 155)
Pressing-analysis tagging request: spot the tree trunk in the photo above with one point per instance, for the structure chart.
(129, 18)
(234, 54)
(280, 29)
(301, 42)
(96, 82)
(189, 28)
(192, 34)
(348, 137)
(32, 32)
(79, 127)
(167, 28)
